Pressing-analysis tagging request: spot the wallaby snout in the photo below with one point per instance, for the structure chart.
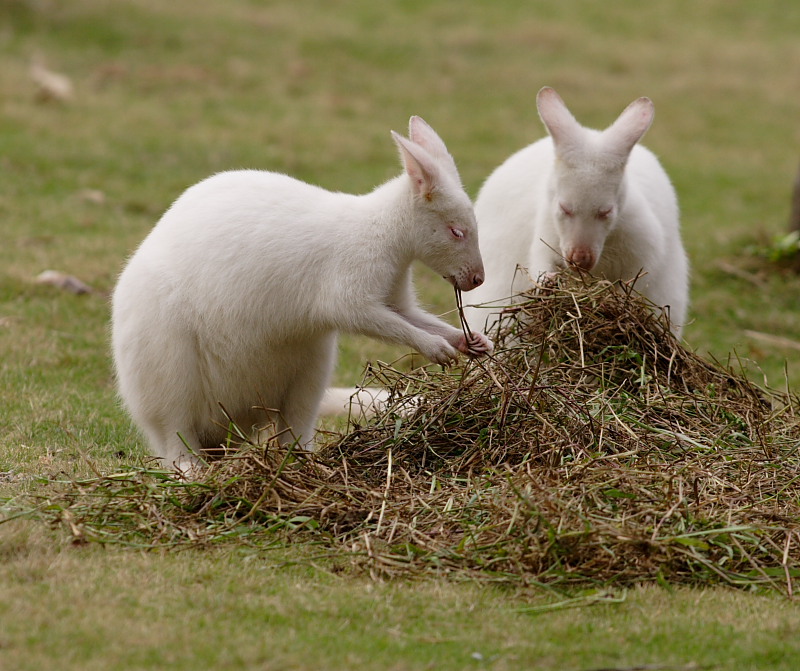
(581, 257)
(468, 279)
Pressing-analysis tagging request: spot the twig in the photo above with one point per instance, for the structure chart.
(777, 341)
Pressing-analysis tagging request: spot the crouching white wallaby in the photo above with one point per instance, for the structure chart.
(597, 201)
(236, 296)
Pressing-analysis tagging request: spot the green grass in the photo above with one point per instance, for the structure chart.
(92, 609)
(167, 93)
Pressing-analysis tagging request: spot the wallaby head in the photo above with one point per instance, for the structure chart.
(588, 187)
(445, 230)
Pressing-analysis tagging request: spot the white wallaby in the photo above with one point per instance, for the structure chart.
(597, 201)
(236, 296)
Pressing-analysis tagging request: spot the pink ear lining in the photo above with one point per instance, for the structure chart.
(622, 134)
(559, 121)
(420, 166)
(422, 134)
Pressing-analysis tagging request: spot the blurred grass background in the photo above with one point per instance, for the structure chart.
(166, 93)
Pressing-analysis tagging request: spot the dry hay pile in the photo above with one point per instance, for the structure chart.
(591, 447)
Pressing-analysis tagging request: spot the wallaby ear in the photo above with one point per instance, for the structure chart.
(422, 134)
(629, 127)
(558, 120)
(420, 166)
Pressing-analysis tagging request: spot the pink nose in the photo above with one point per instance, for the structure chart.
(467, 282)
(581, 258)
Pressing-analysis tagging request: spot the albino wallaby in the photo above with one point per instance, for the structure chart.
(237, 294)
(594, 200)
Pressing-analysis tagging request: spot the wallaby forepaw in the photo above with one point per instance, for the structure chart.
(477, 345)
(444, 353)
(548, 281)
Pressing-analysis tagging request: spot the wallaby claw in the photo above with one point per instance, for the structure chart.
(477, 345)
(547, 281)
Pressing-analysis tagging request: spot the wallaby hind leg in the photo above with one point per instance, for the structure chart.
(301, 404)
(171, 448)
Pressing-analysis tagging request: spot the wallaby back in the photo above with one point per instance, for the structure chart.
(228, 312)
(593, 200)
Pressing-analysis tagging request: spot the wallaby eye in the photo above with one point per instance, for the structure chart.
(567, 212)
(456, 232)
(605, 213)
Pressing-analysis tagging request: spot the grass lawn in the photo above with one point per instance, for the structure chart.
(168, 93)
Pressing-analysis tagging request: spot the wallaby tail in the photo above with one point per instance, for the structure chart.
(363, 402)
(354, 401)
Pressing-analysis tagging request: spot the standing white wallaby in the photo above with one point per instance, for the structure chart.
(237, 294)
(594, 200)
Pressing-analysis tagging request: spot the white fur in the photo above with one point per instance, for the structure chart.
(365, 401)
(585, 198)
(237, 294)
(361, 403)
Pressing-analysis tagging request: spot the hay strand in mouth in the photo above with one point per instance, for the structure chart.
(591, 447)
(461, 316)
(469, 338)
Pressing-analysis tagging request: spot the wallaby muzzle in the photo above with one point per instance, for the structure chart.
(582, 258)
(466, 281)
